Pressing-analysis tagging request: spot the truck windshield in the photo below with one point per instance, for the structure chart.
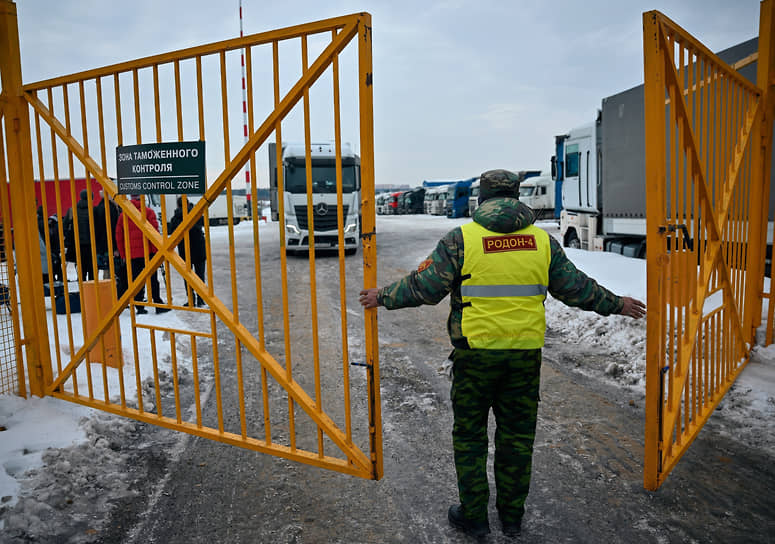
(323, 179)
(526, 191)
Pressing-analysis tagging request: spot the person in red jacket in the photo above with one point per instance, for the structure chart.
(136, 257)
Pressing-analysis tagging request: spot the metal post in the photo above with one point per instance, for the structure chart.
(369, 239)
(654, 102)
(760, 181)
(22, 189)
(764, 81)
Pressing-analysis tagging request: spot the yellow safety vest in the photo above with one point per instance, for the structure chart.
(506, 277)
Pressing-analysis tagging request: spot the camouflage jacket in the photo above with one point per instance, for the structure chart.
(440, 273)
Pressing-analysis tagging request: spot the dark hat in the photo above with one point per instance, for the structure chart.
(84, 194)
(499, 183)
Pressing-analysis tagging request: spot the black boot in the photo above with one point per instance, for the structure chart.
(511, 529)
(477, 529)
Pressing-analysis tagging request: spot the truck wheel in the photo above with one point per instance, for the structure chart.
(572, 240)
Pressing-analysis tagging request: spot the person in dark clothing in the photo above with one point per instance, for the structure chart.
(196, 242)
(497, 269)
(81, 216)
(134, 238)
(104, 231)
(50, 225)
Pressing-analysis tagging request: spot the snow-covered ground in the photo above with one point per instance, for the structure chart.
(38, 428)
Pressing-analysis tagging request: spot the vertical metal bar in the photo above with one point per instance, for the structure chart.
(186, 239)
(156, 384)
(213, 323)
(311, 241)
(92, 248)
(283, 256)
(255, 212)
(139, 140)
(175, 382)
(195, 370)
(6, 240)
(654, 115)
(108, 226)
(676, 326)
(695, 167)
(132, 315)
(47, 241)
(232, 258)
(366, 103)
(342, 275)
(60, 233)
(117, 99)
(190, 294)
(256, 216)
(74, 219)
(101, 126)
(766, 58)
(764, 75)
(136, 90)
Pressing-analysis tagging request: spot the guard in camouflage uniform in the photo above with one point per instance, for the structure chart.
(497, 270)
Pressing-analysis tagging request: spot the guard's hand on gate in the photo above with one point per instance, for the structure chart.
(368, 298)
(633, 307)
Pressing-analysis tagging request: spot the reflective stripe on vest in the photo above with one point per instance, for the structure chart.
(507, 277)
(502, 290)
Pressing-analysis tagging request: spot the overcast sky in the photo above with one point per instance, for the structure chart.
(459, 86)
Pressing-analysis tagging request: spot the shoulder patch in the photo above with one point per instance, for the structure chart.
(424, 265)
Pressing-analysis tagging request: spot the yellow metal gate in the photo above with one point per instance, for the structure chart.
(160, 360)
(707, 175)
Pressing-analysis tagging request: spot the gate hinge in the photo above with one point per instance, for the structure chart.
(687, 240)
(368, 79)
(367, 235)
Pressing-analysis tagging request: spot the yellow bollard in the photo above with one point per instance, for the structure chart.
(92, 314)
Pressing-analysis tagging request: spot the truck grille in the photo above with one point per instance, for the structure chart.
(325, 221)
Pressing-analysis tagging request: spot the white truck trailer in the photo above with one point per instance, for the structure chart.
(601, 167)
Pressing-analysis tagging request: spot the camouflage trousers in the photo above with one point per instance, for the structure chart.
(506, 381)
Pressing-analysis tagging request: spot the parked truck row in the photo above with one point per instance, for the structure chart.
(460, 198)
(599, 169)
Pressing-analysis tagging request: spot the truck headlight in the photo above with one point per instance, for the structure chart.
(350, 228)
(292, 229)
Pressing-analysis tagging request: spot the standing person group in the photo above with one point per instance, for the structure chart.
(196, 243)
(497, 269)
(132, 240)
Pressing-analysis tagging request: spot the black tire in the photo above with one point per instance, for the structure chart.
(572, 240)
(351, 251)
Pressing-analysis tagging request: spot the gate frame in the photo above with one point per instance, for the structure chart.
(660, 74)
(21, 175)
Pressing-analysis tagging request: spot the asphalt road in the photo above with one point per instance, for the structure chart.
(587, 476)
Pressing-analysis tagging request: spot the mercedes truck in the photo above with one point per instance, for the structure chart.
(325, 211)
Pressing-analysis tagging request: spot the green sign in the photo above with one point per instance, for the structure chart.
(165, 168)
